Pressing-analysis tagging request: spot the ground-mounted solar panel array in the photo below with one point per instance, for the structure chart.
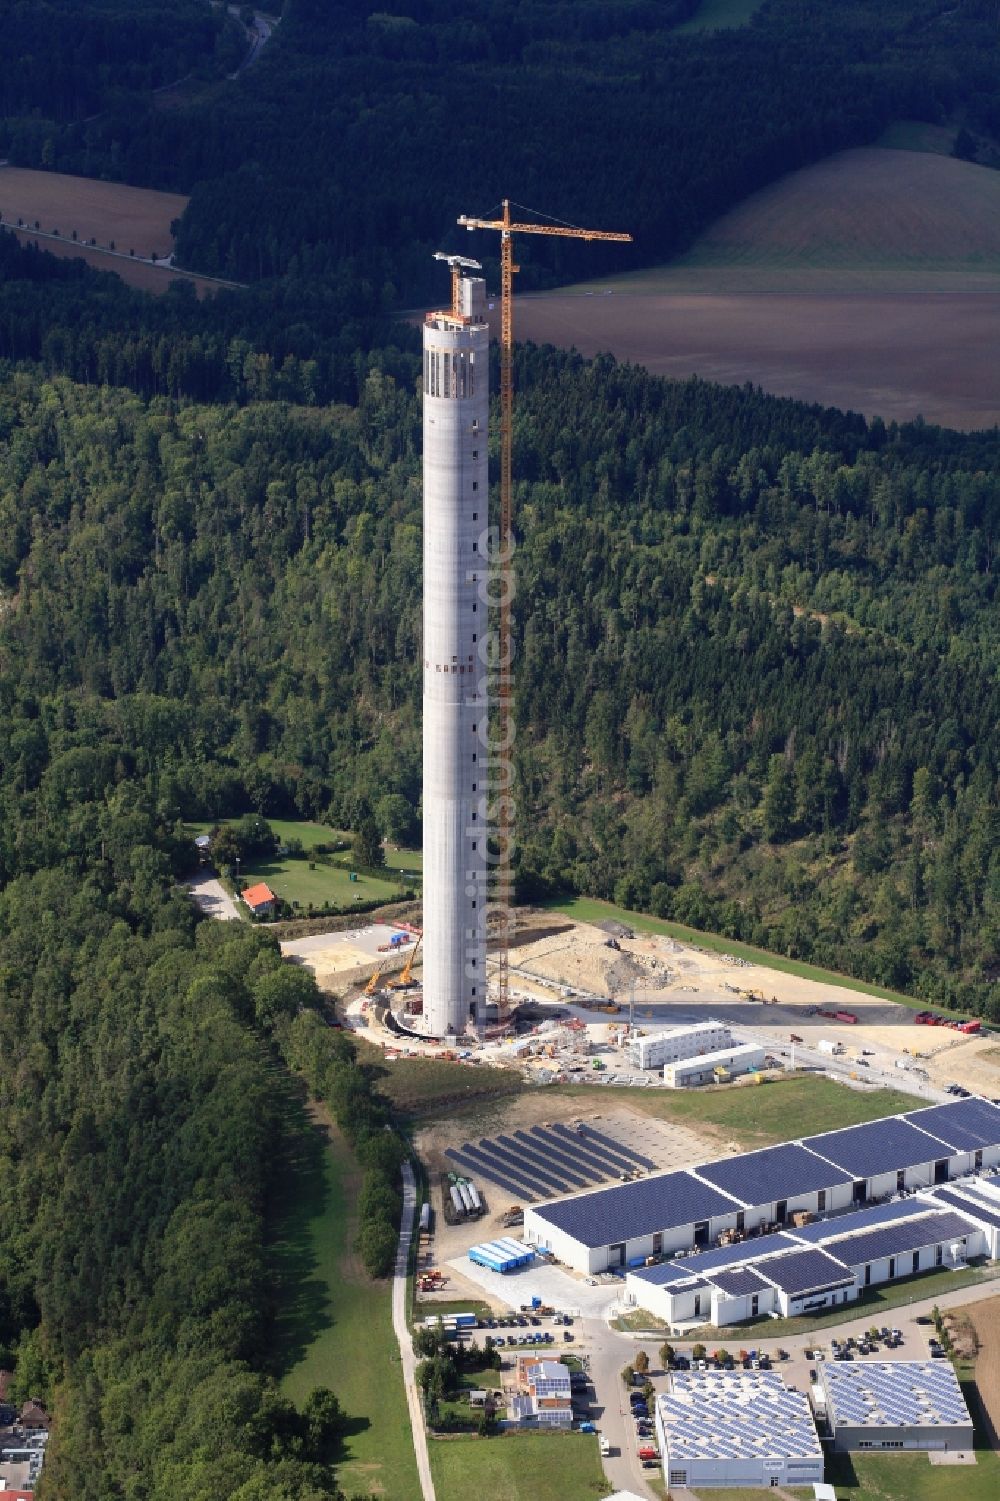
(545, 1162)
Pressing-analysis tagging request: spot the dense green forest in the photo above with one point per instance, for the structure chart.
(362, 133)
(67, 60)
(145, 1119)
(758, 684)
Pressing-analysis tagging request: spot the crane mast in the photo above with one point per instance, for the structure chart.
(507, 228)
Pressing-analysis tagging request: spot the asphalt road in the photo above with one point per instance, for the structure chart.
(403, 1336)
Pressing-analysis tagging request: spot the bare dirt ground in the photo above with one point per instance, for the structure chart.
(894, 355)
(985, 1319)
(676, 983)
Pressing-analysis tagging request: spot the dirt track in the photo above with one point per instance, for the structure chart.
(986, 1321)
(898, 356)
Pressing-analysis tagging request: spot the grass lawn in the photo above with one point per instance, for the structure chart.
(418, 1086)
(758, 1114)
(309, 834)
(334, 1325)
(518, 1467)
(911, 1477)
(295, 882)
(441, 1308)
(715, 15)
(589, 909)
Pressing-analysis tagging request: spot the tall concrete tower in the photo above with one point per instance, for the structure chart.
(456, 421)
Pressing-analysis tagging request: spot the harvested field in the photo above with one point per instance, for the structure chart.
(870, 282)
(109, 212)
(895, 356)
(135, 218)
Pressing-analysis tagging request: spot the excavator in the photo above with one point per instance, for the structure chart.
(405, 977)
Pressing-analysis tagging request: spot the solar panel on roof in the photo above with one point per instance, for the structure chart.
(764, 1177)
(861, 1219)
(628, 1210)
(964, 1124)
(805, 1271)
(896, 1239)
(970, 1205)
(878, 1147)
(738, 1281)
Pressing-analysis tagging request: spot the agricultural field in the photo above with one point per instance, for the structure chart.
(870, 282)
(518, 1467)
(111, 213)
(329, 1310)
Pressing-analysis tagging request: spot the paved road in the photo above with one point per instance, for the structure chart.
(258, 36)
(211, 896)
(403, 1334)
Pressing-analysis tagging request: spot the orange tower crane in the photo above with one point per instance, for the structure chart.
(507, 228)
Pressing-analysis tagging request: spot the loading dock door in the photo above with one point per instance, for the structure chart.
(617, 1256)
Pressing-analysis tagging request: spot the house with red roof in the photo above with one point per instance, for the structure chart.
(260, 899)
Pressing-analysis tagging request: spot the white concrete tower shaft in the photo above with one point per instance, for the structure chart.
(456, 424)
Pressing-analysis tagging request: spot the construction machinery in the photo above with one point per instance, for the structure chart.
(405, 976)
(372, 985)
(507, 228)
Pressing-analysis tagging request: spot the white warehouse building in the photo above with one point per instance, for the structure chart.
(899, 1404)
(711, 1068)
(743, 1428)
(757, 1193)
(654, 1049)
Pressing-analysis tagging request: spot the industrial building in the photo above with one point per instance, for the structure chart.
(455, 422)
(808, 1268)
(654, 1049)
(742, 1428)
(900, 1404)
(759, 1192)
(714, 1068)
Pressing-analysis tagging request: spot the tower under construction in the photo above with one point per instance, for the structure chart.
(456, 708)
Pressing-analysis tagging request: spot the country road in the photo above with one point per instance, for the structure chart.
(210, 895)
(399, 1324)
(258, 36)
